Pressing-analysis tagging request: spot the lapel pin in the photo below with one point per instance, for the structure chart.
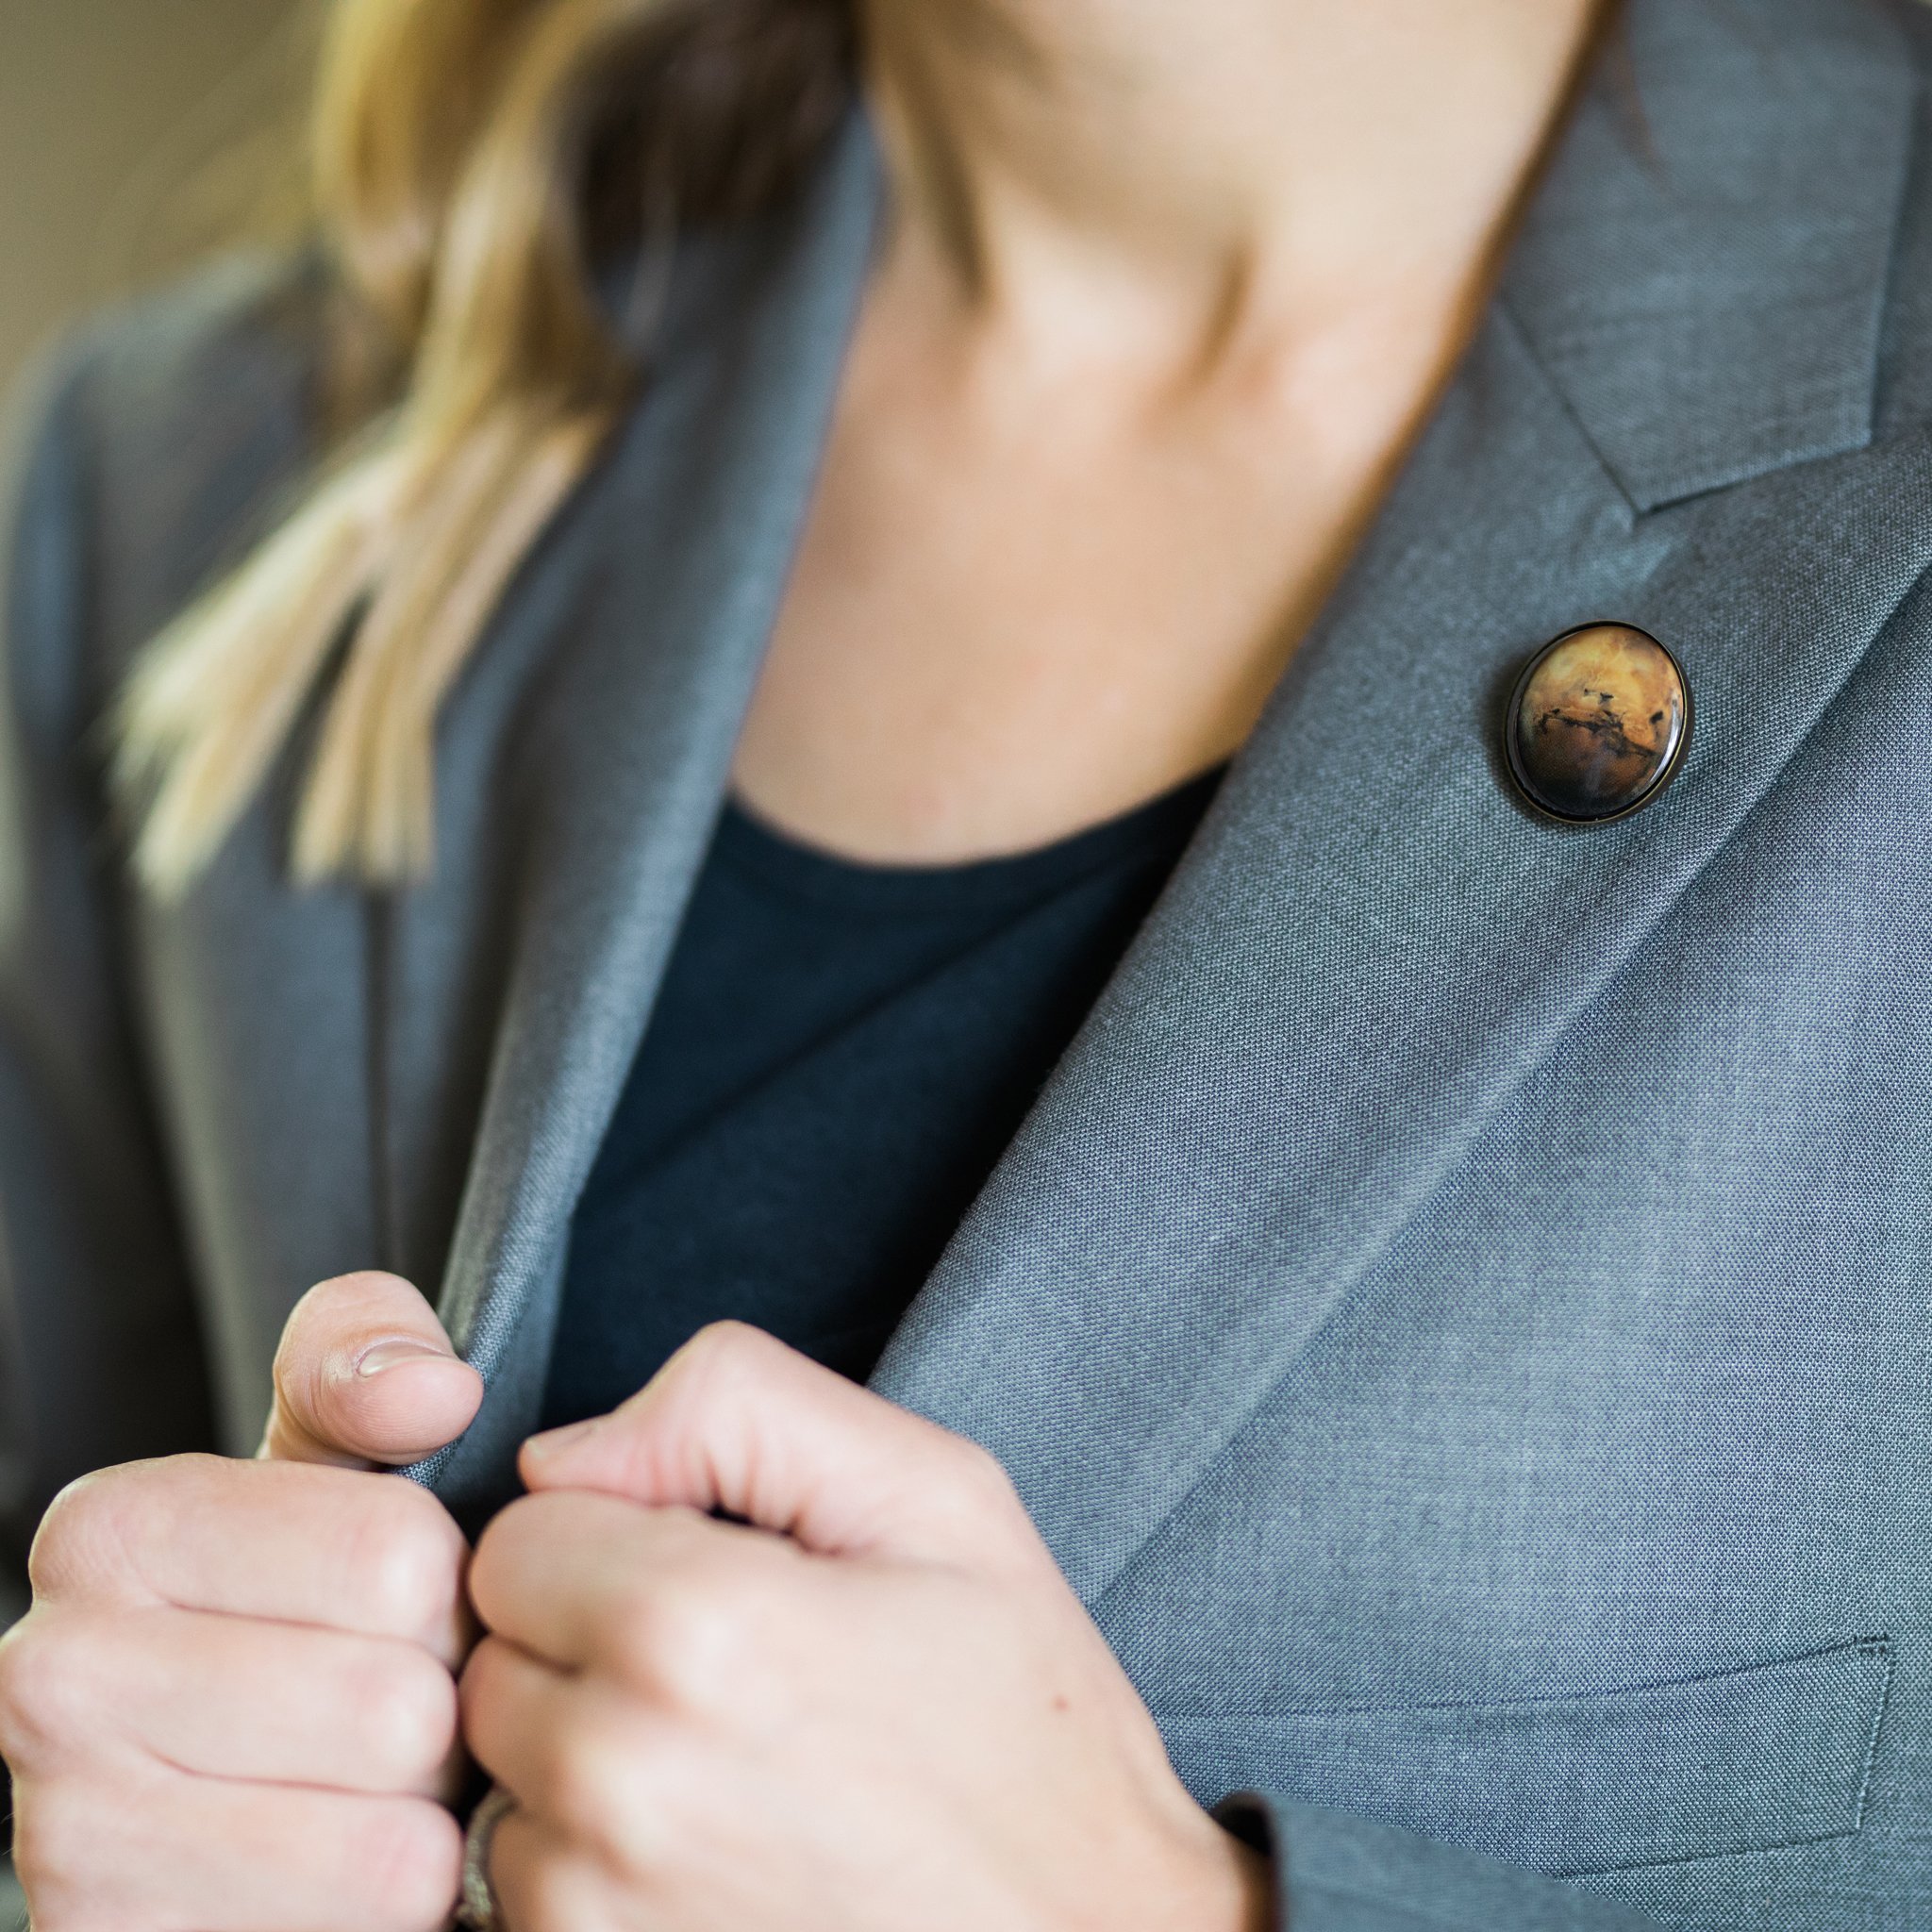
(1597, 724)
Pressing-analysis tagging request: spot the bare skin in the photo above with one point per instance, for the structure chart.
(233, 1705)
(1163, 303)
(876, 1704)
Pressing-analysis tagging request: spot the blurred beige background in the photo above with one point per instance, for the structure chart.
(113, 117)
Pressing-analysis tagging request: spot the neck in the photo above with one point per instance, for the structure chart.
(1231, 163)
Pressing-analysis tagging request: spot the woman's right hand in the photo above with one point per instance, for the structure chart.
(233, 1704)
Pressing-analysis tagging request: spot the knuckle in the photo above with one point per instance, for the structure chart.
(47, 1700)
(89, 1538)
(482, 1679)
(587, 1780)
(721, 1372)
(639, 1630)
(81, 1535)
(597, 1782)
(291, 1347)
(726, 1341)
(411, 1860)
(317, 1309)
(984, 1477)
(686, 1634)
(498, 1551)
(982, 1500)
(21, 1669)
(719, 1356)
(298, 1351)
(406, 1559)
(402, 1706)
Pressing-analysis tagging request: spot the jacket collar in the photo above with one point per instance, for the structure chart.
(675, 560)
(1703, 270)
(1367, 947)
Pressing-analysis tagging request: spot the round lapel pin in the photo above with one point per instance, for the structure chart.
(1597, 724)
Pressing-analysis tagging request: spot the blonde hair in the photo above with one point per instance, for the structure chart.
(473, 162)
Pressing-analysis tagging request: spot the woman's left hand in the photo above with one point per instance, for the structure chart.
(872, 1704)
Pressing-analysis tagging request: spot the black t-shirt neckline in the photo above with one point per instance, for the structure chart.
(754, 847)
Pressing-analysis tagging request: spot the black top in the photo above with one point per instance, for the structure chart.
(839, 1053)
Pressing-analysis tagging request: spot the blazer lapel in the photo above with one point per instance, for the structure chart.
(1369, 945)
(659, 615)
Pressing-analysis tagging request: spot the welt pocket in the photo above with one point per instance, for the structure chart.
(1738, 1760)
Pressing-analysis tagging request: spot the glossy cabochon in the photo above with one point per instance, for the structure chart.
(1598, 723)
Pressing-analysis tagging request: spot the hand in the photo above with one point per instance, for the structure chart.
(880, 1707)
(233, 1705)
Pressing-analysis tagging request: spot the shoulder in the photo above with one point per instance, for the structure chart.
(148, 439)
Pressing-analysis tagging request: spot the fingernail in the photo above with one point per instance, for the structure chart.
(403, 1348)
(552, 1441)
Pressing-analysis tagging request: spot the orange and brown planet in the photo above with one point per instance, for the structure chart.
(1598, 721)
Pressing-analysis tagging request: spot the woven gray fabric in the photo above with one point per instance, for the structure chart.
(1459, 1312)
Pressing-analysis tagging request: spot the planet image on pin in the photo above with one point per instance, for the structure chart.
(1598, 723)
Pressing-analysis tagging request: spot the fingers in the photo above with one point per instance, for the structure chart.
(235, 1858)
(213, 1646)
(549, 1737)
(541, 1884)
(264, 1703)
(365, 1375)
(738, 1422)
(509, 1702)
(580, 1578)
(374, 1555)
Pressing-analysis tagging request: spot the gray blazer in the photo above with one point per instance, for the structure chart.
(1459, 1312)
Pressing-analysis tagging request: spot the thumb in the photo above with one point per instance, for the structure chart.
(738, 1423)
(365, 1375)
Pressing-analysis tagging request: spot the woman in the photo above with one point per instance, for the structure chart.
(997, 697)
